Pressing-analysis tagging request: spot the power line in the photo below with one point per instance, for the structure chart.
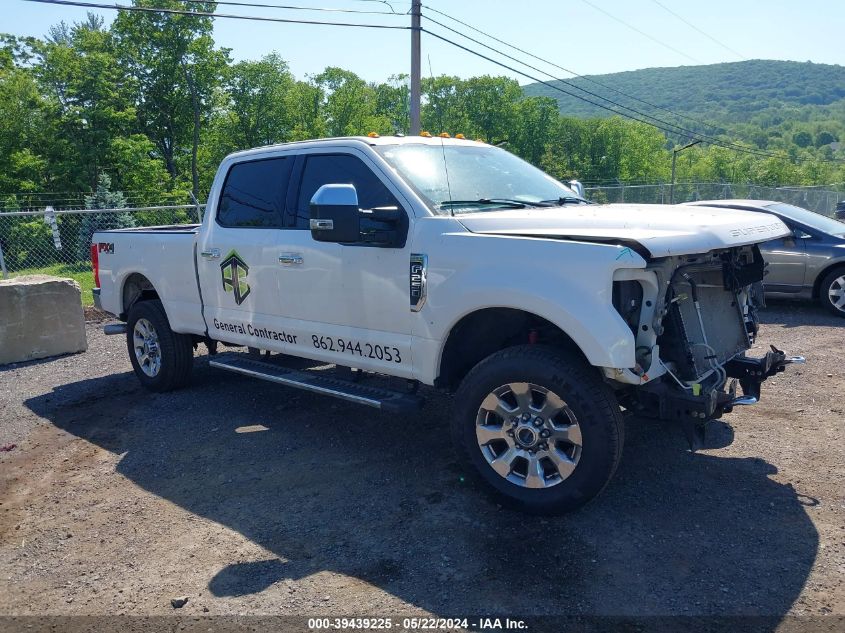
(695, 28)
(659, 123)
(656, 122)
(643, 33)
(677, 130)
(119, 7)
(703, 137)
(575, 74)
(696, 136)
(300, 8)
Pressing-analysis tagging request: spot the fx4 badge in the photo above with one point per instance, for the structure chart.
(235, 271)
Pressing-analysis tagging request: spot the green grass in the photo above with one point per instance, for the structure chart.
(80, 272)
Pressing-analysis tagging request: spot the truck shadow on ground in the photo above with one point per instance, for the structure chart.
(330, 486)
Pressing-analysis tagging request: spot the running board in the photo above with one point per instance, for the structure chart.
(376, 397)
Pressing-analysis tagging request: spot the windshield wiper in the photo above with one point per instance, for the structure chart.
(511, 203)
(559, 202)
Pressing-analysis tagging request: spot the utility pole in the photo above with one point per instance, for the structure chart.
(416, 10)
(675, 153)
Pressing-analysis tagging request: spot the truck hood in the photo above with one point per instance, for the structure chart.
(662, 230)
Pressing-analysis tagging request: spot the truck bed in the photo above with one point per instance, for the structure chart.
(164, 257)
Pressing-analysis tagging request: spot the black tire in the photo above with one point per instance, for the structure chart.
(175, 351)
(834, 280)
(589, 399)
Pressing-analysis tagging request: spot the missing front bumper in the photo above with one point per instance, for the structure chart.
(692, 409)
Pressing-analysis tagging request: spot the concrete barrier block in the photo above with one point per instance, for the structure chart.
(40, 316)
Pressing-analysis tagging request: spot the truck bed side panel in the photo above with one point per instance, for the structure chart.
(166, 259)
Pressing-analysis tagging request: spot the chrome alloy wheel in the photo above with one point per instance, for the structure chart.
(836, 293)
(528, 435)
(145, 344)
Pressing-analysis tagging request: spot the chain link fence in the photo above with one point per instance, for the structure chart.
(42, 234)
(58, 241)
(816, 199)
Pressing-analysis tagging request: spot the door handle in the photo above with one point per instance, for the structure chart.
(214, 253)
(290, 259)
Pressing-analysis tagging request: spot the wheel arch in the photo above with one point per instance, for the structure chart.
(136, 287)
(484, 331)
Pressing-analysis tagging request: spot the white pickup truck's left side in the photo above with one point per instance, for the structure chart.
(541, 311)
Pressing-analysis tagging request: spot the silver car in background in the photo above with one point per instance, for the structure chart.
(810, 263)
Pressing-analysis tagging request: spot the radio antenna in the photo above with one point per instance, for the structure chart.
(442, 145)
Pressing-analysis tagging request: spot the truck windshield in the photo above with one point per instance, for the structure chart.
(472, 178)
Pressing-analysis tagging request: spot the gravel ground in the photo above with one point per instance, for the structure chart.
(254, 499)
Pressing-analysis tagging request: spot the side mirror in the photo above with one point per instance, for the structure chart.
(335, 214)
(801, 235)
(578, 187)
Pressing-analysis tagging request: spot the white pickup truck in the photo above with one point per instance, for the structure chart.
(453, 263)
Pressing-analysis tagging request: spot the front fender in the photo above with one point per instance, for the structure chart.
(570, 284)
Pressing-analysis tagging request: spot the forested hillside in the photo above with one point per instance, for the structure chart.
(721, 92)
(152, 103)
(767, 102)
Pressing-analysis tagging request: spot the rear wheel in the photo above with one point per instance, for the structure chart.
(540, 428)
(161, 358)
(832, 291)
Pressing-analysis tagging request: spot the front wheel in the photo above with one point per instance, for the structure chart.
(162, 359)
(539, 427)
(832, 291)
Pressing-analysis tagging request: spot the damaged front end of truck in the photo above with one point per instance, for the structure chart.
(688, 287)
(694, 318)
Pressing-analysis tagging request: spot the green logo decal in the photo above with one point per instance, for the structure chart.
(235, 271)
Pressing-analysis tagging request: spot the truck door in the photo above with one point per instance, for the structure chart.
(238, 254)
(351, 299)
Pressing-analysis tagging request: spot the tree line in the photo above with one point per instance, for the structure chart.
(154, 104)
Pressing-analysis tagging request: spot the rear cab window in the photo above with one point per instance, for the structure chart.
(254, 193)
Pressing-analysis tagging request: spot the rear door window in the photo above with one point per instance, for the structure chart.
(254, 194)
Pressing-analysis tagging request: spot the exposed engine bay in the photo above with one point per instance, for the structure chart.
(693, 319)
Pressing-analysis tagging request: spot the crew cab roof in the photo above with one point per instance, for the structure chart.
(374, 141)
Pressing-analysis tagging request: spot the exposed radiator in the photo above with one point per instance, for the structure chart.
(723, 323)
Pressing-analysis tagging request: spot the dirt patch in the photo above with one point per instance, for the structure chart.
(117, 501)
(95, 315)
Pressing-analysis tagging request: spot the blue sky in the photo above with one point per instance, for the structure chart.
(569, 32)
